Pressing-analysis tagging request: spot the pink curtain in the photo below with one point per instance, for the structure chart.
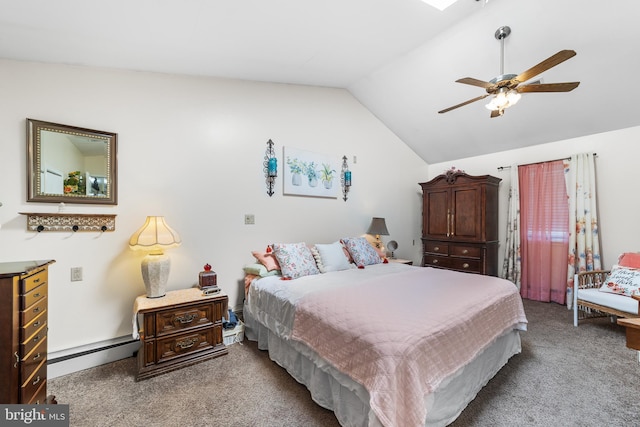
(544, 236)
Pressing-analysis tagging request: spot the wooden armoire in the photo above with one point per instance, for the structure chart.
(460, 222)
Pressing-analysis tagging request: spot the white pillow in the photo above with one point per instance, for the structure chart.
(622, 281)
(331, 257)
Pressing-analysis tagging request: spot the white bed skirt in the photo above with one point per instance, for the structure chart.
(349, 400)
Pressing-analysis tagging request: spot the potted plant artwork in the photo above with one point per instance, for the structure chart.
(296, 167)
(312, 174)
(326, 173)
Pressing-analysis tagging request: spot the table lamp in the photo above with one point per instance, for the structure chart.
(154, 237)
(378, 228)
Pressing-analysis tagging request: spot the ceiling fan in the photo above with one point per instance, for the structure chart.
(506, 88)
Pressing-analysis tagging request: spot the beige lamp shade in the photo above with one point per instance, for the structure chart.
(155, 236)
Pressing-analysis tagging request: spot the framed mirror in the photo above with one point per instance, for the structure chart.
(70, 164)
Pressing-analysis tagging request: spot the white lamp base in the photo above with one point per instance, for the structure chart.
(155, 273)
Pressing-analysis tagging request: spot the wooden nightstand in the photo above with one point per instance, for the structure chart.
(401, 261)
(180, 329)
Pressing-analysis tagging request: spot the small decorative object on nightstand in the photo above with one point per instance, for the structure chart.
(178, 330)
(207, 277)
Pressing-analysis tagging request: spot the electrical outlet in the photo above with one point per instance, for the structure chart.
(249, 219)
(76, 274)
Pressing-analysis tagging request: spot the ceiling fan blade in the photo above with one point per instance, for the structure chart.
(474, 82)
(552, 61)
(548, 87)
(463, 103)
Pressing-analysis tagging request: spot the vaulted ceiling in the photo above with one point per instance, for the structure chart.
(399, 58)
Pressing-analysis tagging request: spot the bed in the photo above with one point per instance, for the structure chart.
(387, 344)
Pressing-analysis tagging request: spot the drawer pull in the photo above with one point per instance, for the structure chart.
(36, 324)
(37, 309)
(465, 265)
(36, 338)
(188, 343)
(36, 381)
(37, 356)
(15, 365)
(466, 251)
(36, 280)
(187, 318)
(435, 261)
(436, 249)
(36, 295)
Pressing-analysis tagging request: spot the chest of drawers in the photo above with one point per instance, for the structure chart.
(470, 257)
(23, 332)
(179, 329)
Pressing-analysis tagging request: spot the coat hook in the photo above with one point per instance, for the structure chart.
(103, 228)
(40, 228)
(75, 228)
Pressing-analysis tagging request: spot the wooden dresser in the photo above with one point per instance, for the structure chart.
(23, 332)
(179, 329)
(460, 222)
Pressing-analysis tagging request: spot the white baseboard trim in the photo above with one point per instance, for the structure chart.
(76, 359)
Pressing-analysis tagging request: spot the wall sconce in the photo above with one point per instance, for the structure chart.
(345, 178)
(270, 167)
(154, 237)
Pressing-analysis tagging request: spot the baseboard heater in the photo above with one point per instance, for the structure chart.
(79, 358)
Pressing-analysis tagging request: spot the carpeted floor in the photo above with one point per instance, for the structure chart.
(565, 376)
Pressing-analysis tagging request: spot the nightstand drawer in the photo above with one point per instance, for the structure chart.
(176, 346)
(180, 319)
(466, 251)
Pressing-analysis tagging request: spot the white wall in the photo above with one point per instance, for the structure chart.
(616, 166)
(191, 149)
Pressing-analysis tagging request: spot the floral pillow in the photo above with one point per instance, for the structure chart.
(622, 281)
(361, 251)
(295, 260)
(331, 257)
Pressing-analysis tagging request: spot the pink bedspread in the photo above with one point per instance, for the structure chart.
(400, 338)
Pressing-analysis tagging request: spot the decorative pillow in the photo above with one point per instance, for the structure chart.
(361, 251)
(622, 281)
(295, 260)
(267, 259)
(629, 259)
(259, 270)
(330, 257)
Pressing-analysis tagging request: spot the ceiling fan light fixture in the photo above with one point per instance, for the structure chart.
(503, 99)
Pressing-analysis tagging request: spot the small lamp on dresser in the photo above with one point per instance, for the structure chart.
(154, 237)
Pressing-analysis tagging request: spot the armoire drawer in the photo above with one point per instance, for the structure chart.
(31, 361)
(429, 260)
(34, 340)
(29, 328)
(32, 312)
(466, 251)
(436, 248)
(469, 265)
(33, 281)
(33, 383)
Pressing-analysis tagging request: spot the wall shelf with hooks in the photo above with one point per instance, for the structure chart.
(40, 221)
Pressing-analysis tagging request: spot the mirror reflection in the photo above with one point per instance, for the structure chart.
(70, 164)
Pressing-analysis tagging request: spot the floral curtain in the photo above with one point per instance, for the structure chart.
(511, 267)
(584, 242)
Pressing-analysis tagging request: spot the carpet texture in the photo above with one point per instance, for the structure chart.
(565, 376)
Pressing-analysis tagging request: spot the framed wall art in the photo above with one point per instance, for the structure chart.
(310, 174)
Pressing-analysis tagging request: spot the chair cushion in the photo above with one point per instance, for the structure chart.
(615, 301)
